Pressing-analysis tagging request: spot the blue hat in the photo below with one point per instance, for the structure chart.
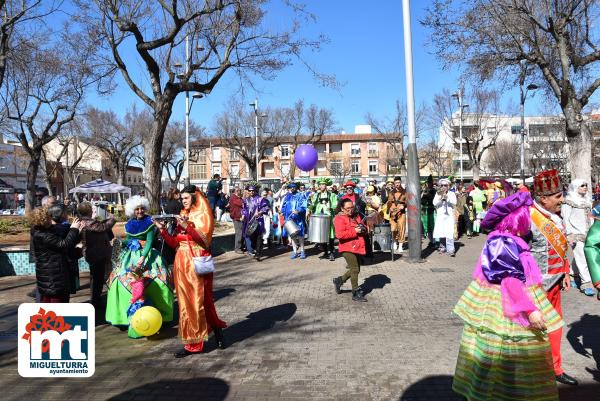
(251, 188)
(292, 185)
(596, 212)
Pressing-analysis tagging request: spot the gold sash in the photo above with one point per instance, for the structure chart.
(553, 234)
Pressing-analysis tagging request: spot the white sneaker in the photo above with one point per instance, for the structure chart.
(396, 246)
(400, 248)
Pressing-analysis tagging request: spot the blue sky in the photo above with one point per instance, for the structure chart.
(365, 52)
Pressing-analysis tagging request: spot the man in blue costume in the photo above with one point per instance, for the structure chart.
(294, 208)
(255, 207)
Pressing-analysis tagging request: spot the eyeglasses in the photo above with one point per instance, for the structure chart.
(583, 185)
(351, 188)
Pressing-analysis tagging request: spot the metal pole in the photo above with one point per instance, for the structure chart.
(187, 113)
(522, 134)
(413, 192)
(460, 133)
(256, 136)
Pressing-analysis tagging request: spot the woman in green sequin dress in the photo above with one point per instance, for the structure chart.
(138, 260)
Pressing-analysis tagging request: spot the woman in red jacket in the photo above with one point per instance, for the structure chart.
(351, 233)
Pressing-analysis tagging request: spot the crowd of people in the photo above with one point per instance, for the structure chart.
(512, 309)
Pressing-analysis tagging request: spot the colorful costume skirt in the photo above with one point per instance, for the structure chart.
(158, 292)
(499, 359)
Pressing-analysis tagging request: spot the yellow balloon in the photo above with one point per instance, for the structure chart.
(146, 321)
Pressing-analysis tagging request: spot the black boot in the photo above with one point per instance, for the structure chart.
(219, 338)
(337, 283)
(182, 353)
(357, 295)
(331, 257)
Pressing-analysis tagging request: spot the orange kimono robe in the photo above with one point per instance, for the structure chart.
(197, 313)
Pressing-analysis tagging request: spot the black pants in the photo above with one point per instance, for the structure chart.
(97, 279)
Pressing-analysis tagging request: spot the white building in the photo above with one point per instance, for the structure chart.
(545, 144)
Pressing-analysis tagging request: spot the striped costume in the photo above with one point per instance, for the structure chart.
(501, 357)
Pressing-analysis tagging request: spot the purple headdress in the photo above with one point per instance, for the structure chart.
(499, 216)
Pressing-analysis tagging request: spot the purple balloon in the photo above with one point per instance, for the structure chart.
(306, 157)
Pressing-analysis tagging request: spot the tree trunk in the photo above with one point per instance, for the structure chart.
(579, 137)
(476, 171)
(32, 171)
(121, 176)
(153, 149)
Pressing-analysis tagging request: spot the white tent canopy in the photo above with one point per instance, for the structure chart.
(100, 186)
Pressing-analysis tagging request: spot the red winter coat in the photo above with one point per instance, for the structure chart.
(350, 240)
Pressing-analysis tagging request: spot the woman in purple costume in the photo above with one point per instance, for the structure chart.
(253, 210)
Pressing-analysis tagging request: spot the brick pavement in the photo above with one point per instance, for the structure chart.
(292, 338)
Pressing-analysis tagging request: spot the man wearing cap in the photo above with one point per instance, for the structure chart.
(255, 207)
(549, 246)
(293, 208)
(325, 202)
(444, 203)
(396, 209)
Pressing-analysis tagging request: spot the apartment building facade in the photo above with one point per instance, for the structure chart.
(365, 156)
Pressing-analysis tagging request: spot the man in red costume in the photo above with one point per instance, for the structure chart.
(549, 247)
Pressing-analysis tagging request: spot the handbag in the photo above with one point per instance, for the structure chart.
(203, 264)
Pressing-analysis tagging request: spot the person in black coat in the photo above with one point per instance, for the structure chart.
(51, 256)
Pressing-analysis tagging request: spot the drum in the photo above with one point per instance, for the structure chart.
(382, 236)
(318, 228)
(292, 228)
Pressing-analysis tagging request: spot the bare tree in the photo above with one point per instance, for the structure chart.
(339, 166)
(481, 125)
(18, 17)
(394, 129)
(548, 151)
(43, 88)
(235, 129)
(301, 125)
(504, 158)
(223, 35)
(173, 153)
(118, 138)
(437, 158)
(559, 39)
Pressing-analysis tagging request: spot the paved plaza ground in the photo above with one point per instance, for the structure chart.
(292, 338)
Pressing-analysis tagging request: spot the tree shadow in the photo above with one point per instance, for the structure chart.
(584, 335)
(222, 293)
(376, 281)
(202, 388)
(6, 266)
(431, 388)
(428, 251)
(254, 324)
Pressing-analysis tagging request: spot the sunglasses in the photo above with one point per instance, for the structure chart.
(583, 185)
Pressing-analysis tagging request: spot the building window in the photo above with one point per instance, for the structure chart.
(321, 167)
(335, 148)
(268, 168)
(268, 152)
(355, 168)
(491, 132)
(234, 170)
(373, 166)
(197, 171)
(216, 169)
(372, 149)
(320, 148)
(335, 167)
(285, 151)
(355, 149)
(234, 155)
(128, 178)
(216, 154)
(285, 169)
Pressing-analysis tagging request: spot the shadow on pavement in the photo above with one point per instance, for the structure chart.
(584, 335)
(255, 323)
(431, 388)
(205, 388)
(582, 392)
(222, 293)
(376, 281)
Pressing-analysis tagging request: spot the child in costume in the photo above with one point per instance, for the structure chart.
(504, 351)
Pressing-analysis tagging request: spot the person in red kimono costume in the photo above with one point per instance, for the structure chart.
(549, 246)
(192, 238)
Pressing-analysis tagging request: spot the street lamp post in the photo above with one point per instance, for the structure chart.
(255, 106)
(188, 108)
(461, 107)
(522, 109)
